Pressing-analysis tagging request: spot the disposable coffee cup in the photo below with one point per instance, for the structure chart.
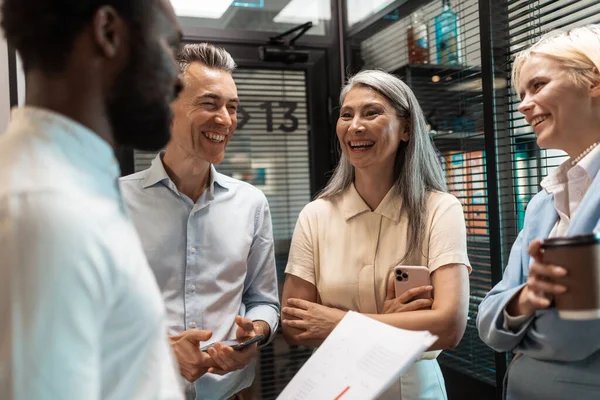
(580, 256)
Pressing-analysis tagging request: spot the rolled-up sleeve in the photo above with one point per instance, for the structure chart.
(260, 287)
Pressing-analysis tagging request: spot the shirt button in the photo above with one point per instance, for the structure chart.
(192, 325)
(193, 250)
(191, 288)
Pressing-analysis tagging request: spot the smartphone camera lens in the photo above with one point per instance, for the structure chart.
(399, 278)
(405, 275)
(399, 272)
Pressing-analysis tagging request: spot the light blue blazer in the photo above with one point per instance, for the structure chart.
(559, 359)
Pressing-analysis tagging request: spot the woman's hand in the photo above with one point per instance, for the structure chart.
(540, 289)
(406, 301)
(317, 321)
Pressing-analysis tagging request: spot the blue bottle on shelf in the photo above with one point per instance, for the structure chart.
(446, 36)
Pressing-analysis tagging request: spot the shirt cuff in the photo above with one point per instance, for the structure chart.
(269, 315)
(514, 324)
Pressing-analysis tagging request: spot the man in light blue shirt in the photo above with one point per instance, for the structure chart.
(208, 237)
(81, 315)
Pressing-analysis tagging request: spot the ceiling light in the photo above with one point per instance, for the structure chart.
(213, 9)
(300, 11)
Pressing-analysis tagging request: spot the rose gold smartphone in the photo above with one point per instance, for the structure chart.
(411, 276)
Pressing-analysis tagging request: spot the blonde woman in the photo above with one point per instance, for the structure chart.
(385, 205)
(558, 82)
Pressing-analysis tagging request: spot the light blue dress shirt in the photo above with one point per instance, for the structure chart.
(81, 314)
(212, 260)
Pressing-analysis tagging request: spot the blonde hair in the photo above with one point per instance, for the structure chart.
(578, 51)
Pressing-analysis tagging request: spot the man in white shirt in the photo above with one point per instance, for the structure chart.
(82, 316)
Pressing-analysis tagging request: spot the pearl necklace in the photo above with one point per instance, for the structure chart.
(584, 153)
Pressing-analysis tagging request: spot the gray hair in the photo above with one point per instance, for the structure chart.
(207, 54)
(417, 170)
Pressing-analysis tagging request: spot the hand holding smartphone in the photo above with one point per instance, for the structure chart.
(238, 345)
(407, 277)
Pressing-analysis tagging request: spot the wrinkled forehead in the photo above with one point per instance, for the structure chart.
(201, 79)
(359, 94)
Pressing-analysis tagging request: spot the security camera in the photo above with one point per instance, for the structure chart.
(278, 49)
(282, 54)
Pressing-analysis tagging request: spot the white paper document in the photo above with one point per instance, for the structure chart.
(359, 360)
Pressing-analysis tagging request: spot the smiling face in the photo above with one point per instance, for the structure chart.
(564, 115)
(369, 130)
(205, 113)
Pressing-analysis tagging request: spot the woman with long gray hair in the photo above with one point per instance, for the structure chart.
(386, 205)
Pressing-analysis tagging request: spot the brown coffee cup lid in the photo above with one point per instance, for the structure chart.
(579, 240)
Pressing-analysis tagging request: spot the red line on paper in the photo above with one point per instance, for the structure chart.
(339, 396)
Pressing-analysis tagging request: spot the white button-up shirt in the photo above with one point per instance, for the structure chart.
(213, 259)
(569, 184)
(82, 316)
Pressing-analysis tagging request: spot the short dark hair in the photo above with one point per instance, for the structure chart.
(43, 31)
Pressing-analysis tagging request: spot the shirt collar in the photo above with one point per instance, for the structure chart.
(353, 204)
(218, 178)
(556, 178)
(157, 173)
(79, 144)
(590, 164)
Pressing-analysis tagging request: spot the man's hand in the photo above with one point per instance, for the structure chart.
(540, 289)
(260, 328)
(228, 359)
(193, 363)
